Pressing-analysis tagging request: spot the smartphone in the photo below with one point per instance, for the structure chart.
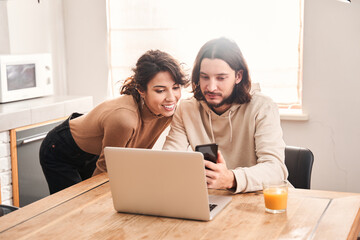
(209, 151)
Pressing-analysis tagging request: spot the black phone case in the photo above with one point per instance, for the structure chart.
(209, 151)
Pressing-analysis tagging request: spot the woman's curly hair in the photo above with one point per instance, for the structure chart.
(149, 64)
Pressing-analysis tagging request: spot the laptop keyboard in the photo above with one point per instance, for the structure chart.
(212, 206)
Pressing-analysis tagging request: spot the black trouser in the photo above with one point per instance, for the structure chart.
(63, 162)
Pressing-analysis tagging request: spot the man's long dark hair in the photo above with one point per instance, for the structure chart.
(228, 51)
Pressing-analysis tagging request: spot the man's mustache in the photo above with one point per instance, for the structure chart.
(212, 93)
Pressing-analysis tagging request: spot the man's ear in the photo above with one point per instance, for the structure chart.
(238, 76)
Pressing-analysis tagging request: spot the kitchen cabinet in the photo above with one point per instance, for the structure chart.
(28, 115)
(29, 183)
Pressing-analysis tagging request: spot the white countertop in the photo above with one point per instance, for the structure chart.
(37, 110)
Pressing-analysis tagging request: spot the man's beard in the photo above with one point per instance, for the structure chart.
(228, 100)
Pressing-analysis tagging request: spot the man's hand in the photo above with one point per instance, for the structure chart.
(219, 176)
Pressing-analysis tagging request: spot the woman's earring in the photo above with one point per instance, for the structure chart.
(142, 100)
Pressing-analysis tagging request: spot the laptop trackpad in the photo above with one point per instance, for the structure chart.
(217, 203)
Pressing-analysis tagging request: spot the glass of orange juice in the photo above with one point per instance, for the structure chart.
(275, 197)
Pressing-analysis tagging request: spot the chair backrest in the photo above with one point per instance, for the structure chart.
(5, 209)
(299, 162)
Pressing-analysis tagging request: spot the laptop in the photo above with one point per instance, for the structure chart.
(161, 183)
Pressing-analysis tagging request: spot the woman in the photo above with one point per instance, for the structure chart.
(71, 151)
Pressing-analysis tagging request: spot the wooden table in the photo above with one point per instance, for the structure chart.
(85, 211)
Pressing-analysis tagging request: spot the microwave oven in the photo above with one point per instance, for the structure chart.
(25, 76)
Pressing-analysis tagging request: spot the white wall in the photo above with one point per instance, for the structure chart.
(4, 29)
(86, 48)
(331, 94)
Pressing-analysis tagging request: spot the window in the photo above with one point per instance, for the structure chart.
(268, 33)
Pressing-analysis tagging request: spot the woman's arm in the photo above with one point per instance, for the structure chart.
(119, 128)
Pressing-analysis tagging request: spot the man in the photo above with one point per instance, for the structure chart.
(245, 124)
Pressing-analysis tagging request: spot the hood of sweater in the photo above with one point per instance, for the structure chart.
(226, 116)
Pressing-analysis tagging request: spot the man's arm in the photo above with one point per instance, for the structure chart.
(177, 138)
(270, 152)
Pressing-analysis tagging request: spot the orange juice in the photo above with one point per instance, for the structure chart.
(275, 198)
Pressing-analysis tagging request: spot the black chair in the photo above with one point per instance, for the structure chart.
(5, 209)
(299, 162)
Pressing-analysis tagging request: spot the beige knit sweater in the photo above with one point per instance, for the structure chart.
(119, 122)
(249, 137)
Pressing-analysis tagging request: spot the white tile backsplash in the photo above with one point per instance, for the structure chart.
(5, 168)
(4, 137)
(5, 178)
(5, 164)
(6, 193)
(4, 149)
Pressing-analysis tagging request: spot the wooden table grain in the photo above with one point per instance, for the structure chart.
(85, 211)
